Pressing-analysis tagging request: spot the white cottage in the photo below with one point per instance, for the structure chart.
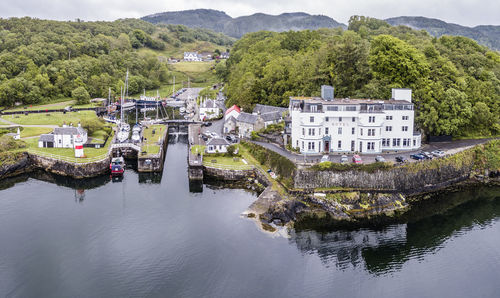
(62, 137)
(192, 56)
(209, 109)
(217, 145)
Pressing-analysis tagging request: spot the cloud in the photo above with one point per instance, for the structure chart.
(464, 12)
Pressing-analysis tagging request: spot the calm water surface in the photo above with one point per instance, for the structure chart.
(148, 236)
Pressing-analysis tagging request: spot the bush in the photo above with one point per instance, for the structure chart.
(342, 167)
(92, 125)
(278, 163)
(8, 143)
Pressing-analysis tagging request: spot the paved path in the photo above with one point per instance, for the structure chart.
(12, 124)
(448, 147)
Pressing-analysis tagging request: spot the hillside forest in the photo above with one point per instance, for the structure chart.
(43, 60)
(455, 81)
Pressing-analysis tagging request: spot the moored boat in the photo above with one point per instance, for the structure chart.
(117, 166)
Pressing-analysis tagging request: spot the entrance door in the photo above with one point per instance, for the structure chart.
(327, 146)
(360, 146)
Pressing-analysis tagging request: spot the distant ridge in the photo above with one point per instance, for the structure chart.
(487, 35)
(219, 21)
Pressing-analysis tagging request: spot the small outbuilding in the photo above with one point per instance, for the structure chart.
(217, 145)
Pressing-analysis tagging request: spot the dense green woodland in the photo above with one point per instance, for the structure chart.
(455, 81)
(42, 60)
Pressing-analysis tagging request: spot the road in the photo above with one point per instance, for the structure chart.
(447, 147)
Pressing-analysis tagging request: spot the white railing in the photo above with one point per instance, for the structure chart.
(127, 145)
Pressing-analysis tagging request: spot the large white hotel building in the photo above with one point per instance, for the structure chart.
(326, 124)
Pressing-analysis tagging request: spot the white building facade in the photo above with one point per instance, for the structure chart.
(192, 56)
(324, 124)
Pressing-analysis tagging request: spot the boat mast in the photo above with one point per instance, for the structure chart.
(173, 88)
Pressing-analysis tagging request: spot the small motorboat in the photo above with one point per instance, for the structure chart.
(117, 166)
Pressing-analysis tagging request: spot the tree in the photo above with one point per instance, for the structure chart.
(92, 125)
(81, 95)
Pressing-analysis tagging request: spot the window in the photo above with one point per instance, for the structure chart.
(314, 108)
(371, 119)
(370, 145)
(352, 145)
(326, 130)
(311, 131)
(371, 132)
(340, 144)
(405, 128)
(340, 130)
(340, 119)
(310, 146)
(406, 142)
(302, 145)
(361, 131)
(350, 108)
(388, 117)
(326, 119)
(414, 143)
(332, 108)
(353, 119)
(398, 142)
(405, 117)
(384, 142)
(303, 131)
(297, 143)
(311, 119)
(353, 130)
(388, 128)
(393, 142)
(319, 131)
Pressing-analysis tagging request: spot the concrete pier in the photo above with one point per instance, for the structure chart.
(147, 163)
(195, 161)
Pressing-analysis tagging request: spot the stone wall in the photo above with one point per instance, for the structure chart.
(229, 175)
(401, 179)
(75, 170)
(21, 165)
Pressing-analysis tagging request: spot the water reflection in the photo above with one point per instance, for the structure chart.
(388, 249)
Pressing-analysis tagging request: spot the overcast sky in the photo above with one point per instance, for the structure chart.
(464, 12)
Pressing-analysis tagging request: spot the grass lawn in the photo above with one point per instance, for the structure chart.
(195, 149)
(224, 162)
(53, 105)
(34, 131)
(50, 118)
(150, 143)
(67, 154)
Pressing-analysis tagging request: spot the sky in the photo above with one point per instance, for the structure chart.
(463, 12)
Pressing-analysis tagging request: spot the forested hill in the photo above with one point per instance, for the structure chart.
(41, 60)
(236, 27)
(485, 35)
(455, 81)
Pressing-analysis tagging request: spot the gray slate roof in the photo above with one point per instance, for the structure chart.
(247, 118)
(217, 141)
(264, 109)
(46, 138)
(69, 131)
(273, 116)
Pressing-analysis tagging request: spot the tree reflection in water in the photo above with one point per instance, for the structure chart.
(427, 227)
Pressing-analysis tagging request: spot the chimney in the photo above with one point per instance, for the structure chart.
(327, 92)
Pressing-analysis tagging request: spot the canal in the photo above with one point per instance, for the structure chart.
(149, 236)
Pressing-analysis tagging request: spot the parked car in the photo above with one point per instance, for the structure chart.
(204, 137)
(357, 159)
(379, 158)
(325, 158)
(417, 156)
(344, 159)
(207, 124)
(438, 153)
(427, 155)
(401, 158)
(229, 138)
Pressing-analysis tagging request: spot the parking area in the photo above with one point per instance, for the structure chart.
(446, 147)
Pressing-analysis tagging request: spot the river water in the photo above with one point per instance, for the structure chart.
(149, 236)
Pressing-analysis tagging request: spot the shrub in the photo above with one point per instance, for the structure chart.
(278, 163)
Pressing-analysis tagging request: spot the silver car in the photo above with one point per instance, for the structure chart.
(438, 153)
(344, 159)
(379, 158)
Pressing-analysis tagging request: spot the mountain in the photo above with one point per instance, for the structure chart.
(237, 27)
(485, 35)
